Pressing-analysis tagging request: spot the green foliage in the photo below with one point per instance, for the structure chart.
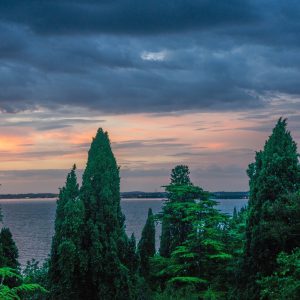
(7, 272)
(146, 246)
(187, 293)
(203, 256)
(66, 260)
(131, 260)
(8, 257)
(178, 211)
(180, 175)
(234, 239)
(8, 250)
(284, 283)
(17, 292)
(197, 230)
(38, 274)
(91, 256)
(175, 225)
(104, 241)
(274, 180)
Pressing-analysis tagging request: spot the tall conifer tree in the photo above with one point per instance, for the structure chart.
(8, 250)
(146, 246)
(274, 177)
(8, 255)
(104, 237)
(66, 261)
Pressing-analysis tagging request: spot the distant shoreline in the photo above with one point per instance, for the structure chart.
(129, 195)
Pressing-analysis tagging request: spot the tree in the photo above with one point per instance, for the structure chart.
(274, 178)
(284, 283)
(104, 240)
(235, 243)
(200, 260)
(180, 175)
(8, 250)
(131, 260)
(197, 254)
(15, 293)
(33, 272)
(146, 246)
(175, 227)
(66, 261)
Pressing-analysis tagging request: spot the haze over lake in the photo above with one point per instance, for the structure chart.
(32, 221)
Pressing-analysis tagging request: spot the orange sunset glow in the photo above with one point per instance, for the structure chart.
(146, 146)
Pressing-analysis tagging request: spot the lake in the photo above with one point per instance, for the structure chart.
(31, 221)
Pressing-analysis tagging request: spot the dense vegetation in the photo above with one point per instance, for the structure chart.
(203, 253)
(12, 284)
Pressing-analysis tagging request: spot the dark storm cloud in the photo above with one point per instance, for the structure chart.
(124, 16)
(148, 56)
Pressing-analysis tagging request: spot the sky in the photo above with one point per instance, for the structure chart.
(190, 82)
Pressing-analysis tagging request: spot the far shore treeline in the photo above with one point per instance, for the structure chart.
(130, 195)
(203, 253)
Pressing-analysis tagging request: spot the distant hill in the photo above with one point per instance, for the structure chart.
(131, 195)
(134, 194)
(215, 195)
(139, 194)
(28, 195)
(230, 195)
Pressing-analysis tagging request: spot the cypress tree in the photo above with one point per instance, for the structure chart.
(8, 250)
(165, 238)
(274, 178)
(9, 255)
(104, 240)
(131, 260)
(146, 246)
(66, 260)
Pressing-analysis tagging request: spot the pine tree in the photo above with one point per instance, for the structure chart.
(180, 192)
(197, 262)
(197, 253)
(146, 246)
(8, 250)
(66, 262)
(180, 175)
(274, 178)
(104, 241)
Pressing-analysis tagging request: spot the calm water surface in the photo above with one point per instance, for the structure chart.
(31, 221)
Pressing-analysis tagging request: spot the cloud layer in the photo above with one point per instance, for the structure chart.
(183, 81)
(159, 56)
